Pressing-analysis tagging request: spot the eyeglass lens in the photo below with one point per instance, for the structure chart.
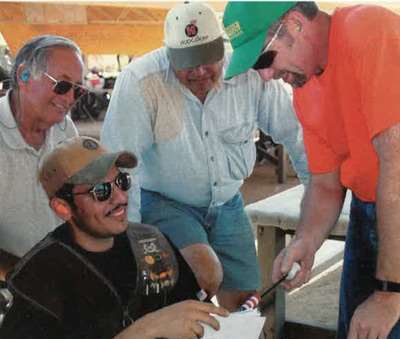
(265, 60)
(63, 86)
(102, 191)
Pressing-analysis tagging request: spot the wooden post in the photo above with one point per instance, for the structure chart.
(271, 240)
(282, 164)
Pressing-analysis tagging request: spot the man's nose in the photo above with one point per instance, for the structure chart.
(119, 196)
(199, 70)
(266, 73)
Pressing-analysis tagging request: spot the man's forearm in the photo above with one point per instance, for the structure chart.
(387, 146)
(320, 208)
(388, 223)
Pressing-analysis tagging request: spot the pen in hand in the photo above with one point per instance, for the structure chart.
(288, 276)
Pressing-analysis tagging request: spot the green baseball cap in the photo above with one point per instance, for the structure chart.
(246, 23)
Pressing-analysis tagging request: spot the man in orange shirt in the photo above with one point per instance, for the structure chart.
(345, 70)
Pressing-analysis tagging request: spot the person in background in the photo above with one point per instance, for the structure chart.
(344, 68)
(193, 134)
(45, 82)
(96, 275)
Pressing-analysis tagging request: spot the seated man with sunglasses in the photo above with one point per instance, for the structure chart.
(45, 83)
(193, 133)
(96, 275)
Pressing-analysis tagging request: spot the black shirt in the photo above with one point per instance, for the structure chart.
(85, 308)
(117, 265)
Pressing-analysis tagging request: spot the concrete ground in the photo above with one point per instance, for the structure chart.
(317, 302)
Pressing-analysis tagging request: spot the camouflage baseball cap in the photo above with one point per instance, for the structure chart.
(80, 160)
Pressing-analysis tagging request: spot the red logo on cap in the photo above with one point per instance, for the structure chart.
(191, 30)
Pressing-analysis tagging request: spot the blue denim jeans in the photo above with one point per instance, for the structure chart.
(225, 228)
(359, 265)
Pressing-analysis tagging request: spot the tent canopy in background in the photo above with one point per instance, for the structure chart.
(130, 28)
(98, 28)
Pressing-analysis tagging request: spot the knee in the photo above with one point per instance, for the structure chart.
(205, 265)
(232, 300)
(210, 280)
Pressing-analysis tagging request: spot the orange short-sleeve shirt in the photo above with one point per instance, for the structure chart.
(356, 98)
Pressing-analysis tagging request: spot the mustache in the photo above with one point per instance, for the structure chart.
(299, 80)
(115, 208)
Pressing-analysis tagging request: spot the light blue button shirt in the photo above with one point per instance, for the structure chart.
(192, 152)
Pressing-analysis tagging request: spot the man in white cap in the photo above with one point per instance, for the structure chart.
(193, 134)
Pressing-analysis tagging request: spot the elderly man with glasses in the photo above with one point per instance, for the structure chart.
(96, 275)
(193, 134)
(345, 71)
(45, 83)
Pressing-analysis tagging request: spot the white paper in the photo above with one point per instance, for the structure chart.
(239, 325)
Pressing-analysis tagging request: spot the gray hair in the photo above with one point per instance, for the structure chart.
(35, 52)
(308, 8)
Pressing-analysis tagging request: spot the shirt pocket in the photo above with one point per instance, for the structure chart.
(239, 150)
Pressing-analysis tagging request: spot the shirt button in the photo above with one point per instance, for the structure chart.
(212, 158)
(215, 183)
(206, 133)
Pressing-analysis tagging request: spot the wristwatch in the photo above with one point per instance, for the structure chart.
(386, 286)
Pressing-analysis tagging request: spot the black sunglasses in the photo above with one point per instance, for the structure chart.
(102, 191)
(265, 60)
(267, 56)
(64, 86)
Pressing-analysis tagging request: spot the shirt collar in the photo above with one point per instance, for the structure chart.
(231, 81)
(9, 127)
(170, 76)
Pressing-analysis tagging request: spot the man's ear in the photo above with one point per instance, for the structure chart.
(61, 208)
(23, 75)
(295, 22)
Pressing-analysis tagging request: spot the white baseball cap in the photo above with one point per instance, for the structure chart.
(193, 35)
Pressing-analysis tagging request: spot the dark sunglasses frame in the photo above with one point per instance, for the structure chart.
(265, 60)
(267, 56)
(64, 86)
(102, 191)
